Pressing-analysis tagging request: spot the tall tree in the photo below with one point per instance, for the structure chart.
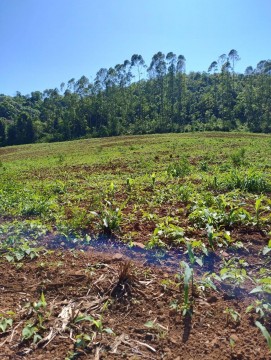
(172, 65)
(181, 86)
(157, 71)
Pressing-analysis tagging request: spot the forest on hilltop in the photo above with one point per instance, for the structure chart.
(133, 98)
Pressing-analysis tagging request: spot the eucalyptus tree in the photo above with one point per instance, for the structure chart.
(233, 57)
(81, 86)
(263, 71)
(171, 67)
(249, 100)
(71, 84)
(227, 98)
(99, 114)
(122, 96)
(138, 63)
(182, 90)
(213, 68)
(157, 72)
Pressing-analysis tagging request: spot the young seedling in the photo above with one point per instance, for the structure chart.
(234, 315)
(187, 280)
(5, 323)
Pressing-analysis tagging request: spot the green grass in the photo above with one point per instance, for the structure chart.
(93, 185)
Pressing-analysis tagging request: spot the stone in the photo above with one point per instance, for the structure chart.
(234, 337)
(140, 245)
(117, 257)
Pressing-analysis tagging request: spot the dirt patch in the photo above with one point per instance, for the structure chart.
(144, 324)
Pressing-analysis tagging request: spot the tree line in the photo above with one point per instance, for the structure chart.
(133, 98)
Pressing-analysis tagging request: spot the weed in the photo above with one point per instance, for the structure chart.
(130, 183)
(161, 330)
(166, 232)
(179, 169)
(259, 307)
(5, 323)
(30, 331)
(238, 157)
(233, 315)
(60, 158)
(96, 325)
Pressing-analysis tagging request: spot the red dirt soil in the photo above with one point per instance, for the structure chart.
(89, 283)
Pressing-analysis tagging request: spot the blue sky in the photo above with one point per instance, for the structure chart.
(46, 42)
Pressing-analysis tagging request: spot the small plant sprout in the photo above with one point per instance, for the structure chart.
(267, 248)
(5, 323)
(232, 344)
(30, 331)
(96, 325)
(111, 188)
(129, 183)
(153, 179)
(111, 218)
(187, 280)
(153, 324)
(210, 235)
(233, 315)
(260, 307)
(258, 208)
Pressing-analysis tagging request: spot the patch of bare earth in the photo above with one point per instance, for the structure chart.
(124, 295)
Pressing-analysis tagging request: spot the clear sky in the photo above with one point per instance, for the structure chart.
(46, 42)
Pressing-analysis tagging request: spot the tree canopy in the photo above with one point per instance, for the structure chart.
(133, 98)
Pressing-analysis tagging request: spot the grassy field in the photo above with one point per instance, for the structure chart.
(204, 195)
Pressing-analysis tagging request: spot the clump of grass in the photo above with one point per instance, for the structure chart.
(252, 182)
(179, 169)
(125, 282)
(238, 157)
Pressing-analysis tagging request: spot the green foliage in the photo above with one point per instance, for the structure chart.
(260, 307)
(179, 169)
(168, 101)
(252, 181)
(166, 232)
(5, 323)
(30, 331)
(238, 157)
(265, 333)
(187, 278)
(110, 218)
(235, 316)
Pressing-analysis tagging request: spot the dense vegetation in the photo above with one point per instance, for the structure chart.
(132, 98)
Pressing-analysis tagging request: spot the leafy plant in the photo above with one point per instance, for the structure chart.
(31, 331)
(265, 333)
(166, 232)
(179, 169)
(235, 316)
(5, 323)
(259, 307)
(238, 157)
(96, 324)
(187, 283)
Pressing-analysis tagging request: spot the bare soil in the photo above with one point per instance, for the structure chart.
(89, 282)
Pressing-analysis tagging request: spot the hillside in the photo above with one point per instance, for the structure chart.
(136, 247)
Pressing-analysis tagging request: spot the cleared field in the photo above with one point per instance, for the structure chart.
(190, 211)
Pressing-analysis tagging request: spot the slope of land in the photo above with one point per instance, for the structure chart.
(139, 247)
